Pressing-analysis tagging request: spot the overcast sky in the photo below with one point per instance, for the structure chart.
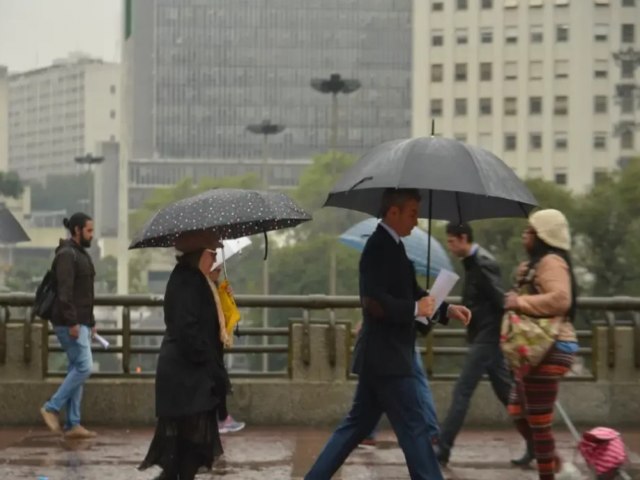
(35, 32)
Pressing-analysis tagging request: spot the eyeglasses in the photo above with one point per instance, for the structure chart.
(528, 231)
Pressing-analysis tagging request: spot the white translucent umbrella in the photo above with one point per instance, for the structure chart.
(230, 248)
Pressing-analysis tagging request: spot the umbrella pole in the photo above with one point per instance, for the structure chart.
(224, 264)
(429, 240)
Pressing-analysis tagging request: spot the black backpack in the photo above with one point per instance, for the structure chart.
(46, 292)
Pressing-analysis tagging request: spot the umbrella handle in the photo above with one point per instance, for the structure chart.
(266, 245)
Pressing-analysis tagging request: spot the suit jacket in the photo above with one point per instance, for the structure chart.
(388, 294)
(191, 377)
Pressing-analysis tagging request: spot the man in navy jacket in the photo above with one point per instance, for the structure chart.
(383, 356)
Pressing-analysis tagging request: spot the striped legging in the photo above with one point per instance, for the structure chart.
(531, 405)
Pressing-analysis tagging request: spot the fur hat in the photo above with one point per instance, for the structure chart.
(552, 228)
(198, 240)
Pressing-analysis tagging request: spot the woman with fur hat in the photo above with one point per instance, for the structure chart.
(191, 379)
(549, 280)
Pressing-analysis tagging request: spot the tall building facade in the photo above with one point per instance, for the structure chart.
(4, 118)
(60, 112)
(534, 81)
(198, 72)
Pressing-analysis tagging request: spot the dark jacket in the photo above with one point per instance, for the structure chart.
(190, 377)
(74, 274)
(388, 294)
(483, 294)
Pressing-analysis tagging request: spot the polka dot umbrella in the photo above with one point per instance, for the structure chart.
(229, 213)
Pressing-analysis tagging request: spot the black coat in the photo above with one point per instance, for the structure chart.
(74, 275)
(483, 294)
(191, 377)
(388, 294)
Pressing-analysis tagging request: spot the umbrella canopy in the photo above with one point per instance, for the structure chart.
(10, 229)
(229, 213)
(458, 182)
(415, 244)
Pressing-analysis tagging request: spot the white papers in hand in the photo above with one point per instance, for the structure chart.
(445, 281)
(101, 340)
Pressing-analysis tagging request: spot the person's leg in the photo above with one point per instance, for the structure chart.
(541, 391)
(403, 403)
(474, 367)
(500, 376)
(517, 412)
(364, 415)
(83, 366)
(79, 356)
(425, 391)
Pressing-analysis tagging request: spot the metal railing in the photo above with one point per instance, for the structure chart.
(10, 303)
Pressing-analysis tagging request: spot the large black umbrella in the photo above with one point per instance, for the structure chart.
(10, 229)
(230, 213)
(458, 182)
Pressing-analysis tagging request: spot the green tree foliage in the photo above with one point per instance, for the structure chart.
(10, 185)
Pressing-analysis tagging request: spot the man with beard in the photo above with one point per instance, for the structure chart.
(73, 323)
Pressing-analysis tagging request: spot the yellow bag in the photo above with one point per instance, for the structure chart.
(229, 307)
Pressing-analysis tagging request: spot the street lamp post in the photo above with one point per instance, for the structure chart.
(89, 160)
(334, 85)
(265, 128)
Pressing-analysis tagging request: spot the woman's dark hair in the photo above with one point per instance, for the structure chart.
(539, 250)
(77, 220)
(190, 259)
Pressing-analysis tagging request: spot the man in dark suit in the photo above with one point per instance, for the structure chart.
(383, 356)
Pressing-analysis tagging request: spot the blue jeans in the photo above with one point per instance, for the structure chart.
(69, 394)
(481, 359)
(400, 399)
(425, 392)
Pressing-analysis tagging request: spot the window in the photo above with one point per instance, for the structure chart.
(437, 6)
(628, 33)
(628, 3)
(112, 114)
(562, 33)
(461, 72)
(626, 104)
(436, 107)
(461, 4)
(601, 32)
(461, 137)
(626, 140)
(600, 176)
(561, 68)
(510, 70)
(462, 36)
(535, 105)
(511, 35)
(561, 105)
(112, 89)
(486, 4)
(600, 103)
(535, 141)
(535, 70)
(486, 72)
(437, 38)
(485, 106)
(627, 68)
(510, 106)
(560, 178)
(437, 72)
(600, 141)
(510, 143)
(560, 141)
(601, 69)
(460, 107)
(486, 35)
(536, 33)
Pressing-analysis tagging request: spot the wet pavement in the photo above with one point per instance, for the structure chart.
(264, 453)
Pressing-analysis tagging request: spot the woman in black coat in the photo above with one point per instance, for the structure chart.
(191, 378)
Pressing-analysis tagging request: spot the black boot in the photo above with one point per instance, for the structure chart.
(526, 459)
(442, 454)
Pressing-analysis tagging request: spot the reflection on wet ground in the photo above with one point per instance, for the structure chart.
(262, 453)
